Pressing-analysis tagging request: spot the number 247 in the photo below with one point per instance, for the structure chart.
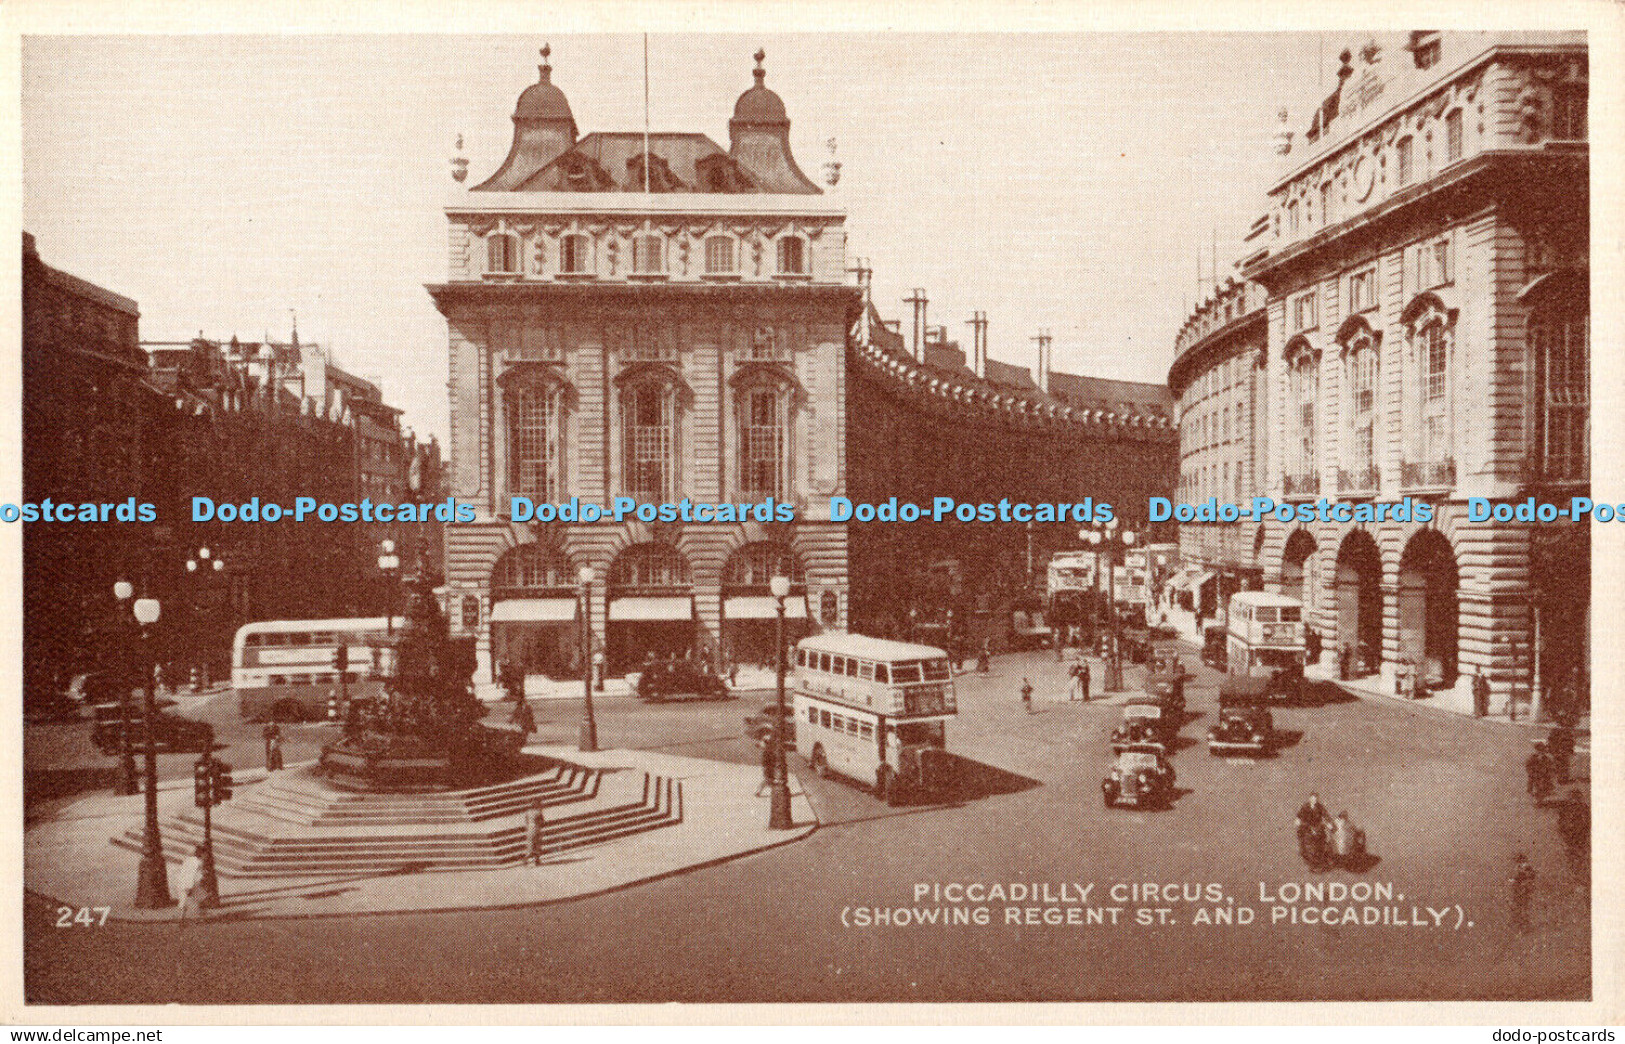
(82, 917)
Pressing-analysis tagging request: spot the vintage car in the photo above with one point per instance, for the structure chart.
(761, 725)
(1245, 725)
(1168, 689)
(675, 679)
(1137, 647)
(1144, 724)
(172, 734)
(1216, 647)
(1141, 777)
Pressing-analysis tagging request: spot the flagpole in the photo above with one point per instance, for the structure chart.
(645, 114)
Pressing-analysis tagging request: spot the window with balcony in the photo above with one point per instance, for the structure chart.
(1428, 392)
(1562, 350)
(719, 256)
(1303, 381)
(575, 255)
(763, 441)
(1360, 378)
(503, 253)
(649, 440)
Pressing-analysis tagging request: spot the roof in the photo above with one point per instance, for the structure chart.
(1004, 373)
(759, 104)
(616, 151)
(861, 645)
(1101, 393)
(1263, 598)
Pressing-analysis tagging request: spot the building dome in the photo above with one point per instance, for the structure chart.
(542, 100)
(759, 104)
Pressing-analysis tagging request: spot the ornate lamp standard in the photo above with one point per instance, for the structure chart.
(152, 886)
(389, 564)
(779, 817)
(123, 591)
(589, 727)
(201, 566)
(1110, 540)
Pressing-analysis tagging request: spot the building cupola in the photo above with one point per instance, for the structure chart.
(543, 129)
(759, 137)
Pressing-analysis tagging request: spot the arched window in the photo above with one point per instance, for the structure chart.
(792, 256)
(649, 413)
(755, 564)
(503, 253)
(532, 567)
(1360, 378)
(535, 418)
(575, 255)
(719, 256)
(648, 255)
(649, 565)
(1428, 397)
(1562, 348)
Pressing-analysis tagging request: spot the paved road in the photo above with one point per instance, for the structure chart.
(1441, 798)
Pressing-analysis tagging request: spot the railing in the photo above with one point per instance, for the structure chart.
(1302, 485)
(1361, 480)
(1439, 474)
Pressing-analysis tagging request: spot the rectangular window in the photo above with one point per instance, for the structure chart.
(648, 255)
(719, 256)
(866, 671)
(762, 443)
(1569, 113)
(1452, 136)
(1362, 290)
(650, 440)
(1434, 263)
(867, 731)
(1563, 350)
(1292, 216)
(823, 718)
(1303, 311)
(792, 256)
(1326, 203)
(1405, 167)
(575, 255)
(534, 448)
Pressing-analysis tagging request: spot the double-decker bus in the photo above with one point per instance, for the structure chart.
(284, 669)
(1266, 639)
(874, 710)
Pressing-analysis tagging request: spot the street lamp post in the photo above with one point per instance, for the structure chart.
(779, 818)
(152, 886)
(122, 591)
(589, 727)
(388, 563)
(200, 566)
(1110, 540)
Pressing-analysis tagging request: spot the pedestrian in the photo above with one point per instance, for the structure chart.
(1083, 680)
(1523, 891)
(769, 764)
(1027, 694)
(733, 674)
(1574, 827)
(191, 881)
(1538, 768)
(525, 718)
(1345, 661)
(1481, 693)
(1344, 838)
(1560, 744)
(1311, 644)
(984, 659)
(535, 826)
(273, 752)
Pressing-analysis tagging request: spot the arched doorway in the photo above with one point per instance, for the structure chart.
(651, 607)
(1427, 607)
(749, 612)
(1359, 601)
(1297, 580)
(533, 612)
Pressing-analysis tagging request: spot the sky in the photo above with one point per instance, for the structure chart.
(1069, 182)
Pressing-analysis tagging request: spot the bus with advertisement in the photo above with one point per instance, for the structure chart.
(875, 711)
(285, 670)
(1266, 639)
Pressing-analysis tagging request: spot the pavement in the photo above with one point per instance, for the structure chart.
(70, 859)
(541, 687)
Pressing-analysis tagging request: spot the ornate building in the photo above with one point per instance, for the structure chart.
(1425, 263)
(647, 316)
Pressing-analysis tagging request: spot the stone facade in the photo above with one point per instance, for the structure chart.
(662, 326)
(1428, 337)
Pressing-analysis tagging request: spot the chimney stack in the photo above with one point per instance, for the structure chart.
(1042, 375)
(978, 350)
(918, 299)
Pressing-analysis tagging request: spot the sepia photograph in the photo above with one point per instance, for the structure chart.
(759, 516)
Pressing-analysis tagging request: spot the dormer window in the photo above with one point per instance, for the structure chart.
(648, 255)
(792, 256)
(1427, 55)
(719, 256)
(503, 254)
(575, 255)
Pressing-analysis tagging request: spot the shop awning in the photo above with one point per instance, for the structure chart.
(669, 608)
(1201, 580)
(534, 610)
(1191, 580)
(764, 607)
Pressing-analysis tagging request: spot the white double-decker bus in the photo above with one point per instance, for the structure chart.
(875, 711)
(284, 669)
(1266, 638)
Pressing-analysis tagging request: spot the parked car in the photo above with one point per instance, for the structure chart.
(760, 726)
(669, 679)
(1141, 777)
(172, 733)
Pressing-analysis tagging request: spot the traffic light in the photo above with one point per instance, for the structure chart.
(202, 783)
(222, 781)
(341, 658)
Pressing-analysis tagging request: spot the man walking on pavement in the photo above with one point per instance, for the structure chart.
(535, 824)
(1027, 694)
(1523, 891)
